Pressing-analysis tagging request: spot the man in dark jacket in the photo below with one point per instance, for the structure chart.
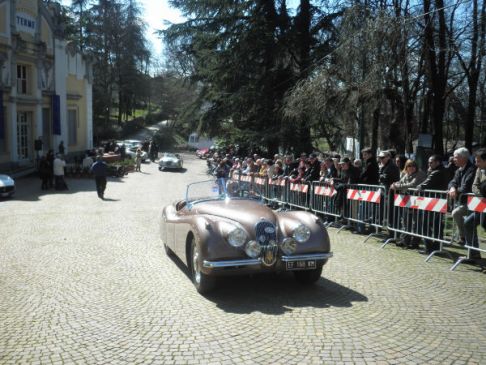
(461, 185)
(389, 172)
(313, 173)
(370, 174)
(100, 170)
(431, 224)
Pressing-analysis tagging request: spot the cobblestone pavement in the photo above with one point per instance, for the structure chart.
(85, 281)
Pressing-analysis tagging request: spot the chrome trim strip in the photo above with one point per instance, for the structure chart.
(231, 263)
(312, 256)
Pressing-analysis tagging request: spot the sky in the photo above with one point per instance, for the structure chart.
(155, 12)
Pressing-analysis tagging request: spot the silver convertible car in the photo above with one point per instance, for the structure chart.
(170, 161)
(226, 229)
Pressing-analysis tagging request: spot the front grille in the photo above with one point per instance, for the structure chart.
(6, 189)
(265, 232)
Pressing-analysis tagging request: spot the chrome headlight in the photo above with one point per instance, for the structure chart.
(237, 237)
(301, 233)
(288, 246)
(253, 249)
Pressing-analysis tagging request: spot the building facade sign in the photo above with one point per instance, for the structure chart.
(25, 22)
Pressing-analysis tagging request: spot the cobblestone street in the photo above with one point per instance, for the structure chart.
(86, 281)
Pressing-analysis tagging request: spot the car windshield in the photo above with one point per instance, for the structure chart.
(221, 189)
(169, 155)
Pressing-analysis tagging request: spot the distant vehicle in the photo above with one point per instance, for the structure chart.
(223, 229)
(170, 161)
(7, 186)
(202, 152)
(131, 146)
(197, 142)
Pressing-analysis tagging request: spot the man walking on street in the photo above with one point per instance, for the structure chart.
(100, 171)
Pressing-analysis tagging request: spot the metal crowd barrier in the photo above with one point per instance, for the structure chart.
(421, 214)
(476, 205)
(324, 200)
(297, 195)
(366, 205)
(276, 191)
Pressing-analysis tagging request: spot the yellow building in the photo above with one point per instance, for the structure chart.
(45, 86)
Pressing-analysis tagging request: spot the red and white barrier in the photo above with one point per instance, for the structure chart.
(302, 188)
(325, 190)
(364, 195)
(476, 204)
(421, 203)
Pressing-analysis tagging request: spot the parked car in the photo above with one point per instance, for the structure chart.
(228, 230)
(170, 161)
(7, 186)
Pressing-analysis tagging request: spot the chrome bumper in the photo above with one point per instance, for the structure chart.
(257, 262)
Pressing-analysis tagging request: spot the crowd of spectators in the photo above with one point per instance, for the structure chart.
(396, 173)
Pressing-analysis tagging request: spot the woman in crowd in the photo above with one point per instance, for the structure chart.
(411, 177)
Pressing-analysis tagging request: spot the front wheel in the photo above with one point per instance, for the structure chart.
(201, 281)
(307, 277)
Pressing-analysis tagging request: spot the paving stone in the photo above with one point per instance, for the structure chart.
(86, 281)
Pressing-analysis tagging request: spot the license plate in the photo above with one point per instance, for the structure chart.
(301, 265)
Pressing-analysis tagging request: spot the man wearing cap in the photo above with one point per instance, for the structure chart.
(100, 171)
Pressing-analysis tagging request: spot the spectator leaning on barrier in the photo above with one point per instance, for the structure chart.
(312, 173)
(370, 174)
(411, 177)
(437, 179)
(461, 185)
(474, 218)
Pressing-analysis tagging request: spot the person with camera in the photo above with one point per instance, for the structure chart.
(473, 219)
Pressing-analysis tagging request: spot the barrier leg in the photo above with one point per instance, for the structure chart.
(440, 250)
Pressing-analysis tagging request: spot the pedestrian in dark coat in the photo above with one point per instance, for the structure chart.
(100, 172)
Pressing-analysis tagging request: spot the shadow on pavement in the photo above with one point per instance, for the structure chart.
(275, 294)
(278, 293)
(29, 188)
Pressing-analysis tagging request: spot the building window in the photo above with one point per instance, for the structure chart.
(73, 126)
(21, 79)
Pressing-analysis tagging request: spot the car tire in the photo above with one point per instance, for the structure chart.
(307, 277)
(201, 281)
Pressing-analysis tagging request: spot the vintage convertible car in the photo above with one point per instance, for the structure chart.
(7, 186)
(170, 161)
(225, 229)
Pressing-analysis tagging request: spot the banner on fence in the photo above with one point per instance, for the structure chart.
(325, 190)
(476, 204)
(421, 203)
(364, 195)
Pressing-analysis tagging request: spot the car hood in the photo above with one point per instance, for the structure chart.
(169, 159)
(6, 180)
(246, 212)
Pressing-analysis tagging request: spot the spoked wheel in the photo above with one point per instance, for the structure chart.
(201, 281)
(308, 276)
